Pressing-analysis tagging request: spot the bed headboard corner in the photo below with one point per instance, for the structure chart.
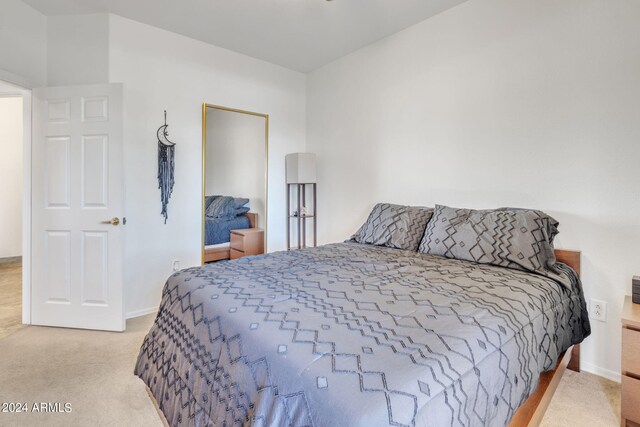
(253, 219)
(571, 258)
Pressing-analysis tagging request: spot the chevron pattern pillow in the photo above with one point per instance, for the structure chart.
(394, 226)
(221, 207)
(507, 237)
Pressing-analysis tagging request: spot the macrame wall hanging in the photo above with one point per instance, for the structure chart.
(166, 160)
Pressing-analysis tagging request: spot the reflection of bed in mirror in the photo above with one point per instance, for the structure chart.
(221, 251)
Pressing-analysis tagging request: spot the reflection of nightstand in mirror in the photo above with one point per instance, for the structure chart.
(245, 242)
(630, 362)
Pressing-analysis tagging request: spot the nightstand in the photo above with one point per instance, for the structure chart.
(630, 399)
(248, 241)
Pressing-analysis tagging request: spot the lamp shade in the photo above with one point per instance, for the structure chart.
(301, 168)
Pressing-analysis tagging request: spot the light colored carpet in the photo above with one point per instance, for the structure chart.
(10, 298)
(93, 371)
(584, 399)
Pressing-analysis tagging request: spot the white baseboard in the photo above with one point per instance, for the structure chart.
(601, 372)
(142, 312)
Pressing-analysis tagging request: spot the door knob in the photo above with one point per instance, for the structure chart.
(113, 221)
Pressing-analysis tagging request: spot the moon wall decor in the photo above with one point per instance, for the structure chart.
(166, 165)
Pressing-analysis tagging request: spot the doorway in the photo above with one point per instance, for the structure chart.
(69, 119)
(13, 122)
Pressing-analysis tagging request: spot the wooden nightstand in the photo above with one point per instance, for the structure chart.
(630, 401)
(248, 241)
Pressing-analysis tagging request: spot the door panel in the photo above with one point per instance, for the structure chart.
(95, 109)
(95, 165)
(58, 110)
(58, 164)
(77, 188)
(95, 267)
(58, 263)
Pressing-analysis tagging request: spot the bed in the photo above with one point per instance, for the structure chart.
(353, 334)
(217, 234)
(217, 230)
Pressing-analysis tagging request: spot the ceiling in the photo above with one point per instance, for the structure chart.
(298, 34)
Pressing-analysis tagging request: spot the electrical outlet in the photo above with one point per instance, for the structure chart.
(598, 310)
(175, 264)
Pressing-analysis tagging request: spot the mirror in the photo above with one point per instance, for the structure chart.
(234, 183)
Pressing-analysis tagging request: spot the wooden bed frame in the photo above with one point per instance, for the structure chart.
(217, 254)
(532, 411)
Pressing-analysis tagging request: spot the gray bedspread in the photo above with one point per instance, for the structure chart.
(355, 335)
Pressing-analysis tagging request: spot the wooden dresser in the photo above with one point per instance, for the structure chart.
(630, 399)
(248, 241)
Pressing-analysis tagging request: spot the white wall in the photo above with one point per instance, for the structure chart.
(77, 49)
(162, 70)
(236, 158)
(23, 44)
(11, 176)
(530, 103)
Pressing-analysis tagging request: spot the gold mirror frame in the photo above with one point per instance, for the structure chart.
(204, 166)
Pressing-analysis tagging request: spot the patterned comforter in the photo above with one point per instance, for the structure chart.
(355, 335)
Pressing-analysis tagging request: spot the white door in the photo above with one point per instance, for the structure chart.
(77, 189)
